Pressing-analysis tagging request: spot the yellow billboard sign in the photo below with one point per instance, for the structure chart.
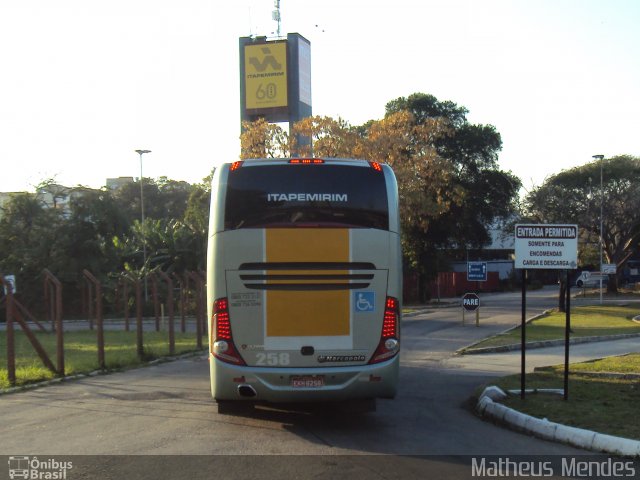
(265, 70)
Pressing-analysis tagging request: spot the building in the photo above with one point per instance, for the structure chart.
(117, 183)
(55, 196)
(499, 254)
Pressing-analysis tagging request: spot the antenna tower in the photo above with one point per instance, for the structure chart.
(276, 14)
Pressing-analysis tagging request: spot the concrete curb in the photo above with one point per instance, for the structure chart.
(469, 348)
(615, 375)
(69, 378)
(422, 309)
(542, 428)
(545, 343)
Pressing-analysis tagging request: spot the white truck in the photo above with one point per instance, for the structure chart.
(591, 279)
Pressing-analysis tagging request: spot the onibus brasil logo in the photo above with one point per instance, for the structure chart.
(33, 468)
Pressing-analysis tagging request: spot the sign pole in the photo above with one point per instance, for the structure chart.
(566, 339)
(471, 302)
(545, 247)
(523, 332)
(11, 349)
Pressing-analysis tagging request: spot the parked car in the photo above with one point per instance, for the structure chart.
(591, 279)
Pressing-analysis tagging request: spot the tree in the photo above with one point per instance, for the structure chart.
(424, 177)
(261, 139)
(196, 218)
(451, 187)
(328, 137)
(172, 200)
(483, 192)
(163, 198)
(27, 238)
(51, 193)
(93, 220)
(574, 196)
(487, 193)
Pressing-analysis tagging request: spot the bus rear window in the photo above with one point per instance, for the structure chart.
(306, 196)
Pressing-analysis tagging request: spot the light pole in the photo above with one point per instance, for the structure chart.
(144, 245)
(601, 158)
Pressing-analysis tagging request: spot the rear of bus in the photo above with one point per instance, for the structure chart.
(304, 281)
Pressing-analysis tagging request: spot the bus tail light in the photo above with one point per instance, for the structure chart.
(222, 346)
(236, 165)
(306, 161)
(376, 166)
(389, 344)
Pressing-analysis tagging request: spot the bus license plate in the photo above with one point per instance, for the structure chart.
(307, 381)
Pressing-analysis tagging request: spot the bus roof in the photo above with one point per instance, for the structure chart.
(305, 160)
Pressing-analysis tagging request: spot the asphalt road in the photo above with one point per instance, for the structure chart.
(167, 409)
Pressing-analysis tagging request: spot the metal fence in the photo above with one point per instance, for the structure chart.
(186, 291)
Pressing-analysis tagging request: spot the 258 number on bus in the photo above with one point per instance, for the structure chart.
(272, 359)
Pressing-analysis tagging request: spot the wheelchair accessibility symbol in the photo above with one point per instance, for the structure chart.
(365, 301)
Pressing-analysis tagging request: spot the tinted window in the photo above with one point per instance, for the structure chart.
(306, 196)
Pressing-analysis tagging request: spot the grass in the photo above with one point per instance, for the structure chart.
(623, 293)
(604, 405)
(81, 352)
(624, 364)
(586, 321)
(600, 403)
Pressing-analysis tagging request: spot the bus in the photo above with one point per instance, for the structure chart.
(304, 282)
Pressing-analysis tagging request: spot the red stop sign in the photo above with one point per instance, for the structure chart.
(470, 301)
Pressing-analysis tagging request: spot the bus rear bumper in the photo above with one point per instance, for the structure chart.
(284, 385)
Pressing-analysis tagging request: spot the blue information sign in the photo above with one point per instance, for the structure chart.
(477, 271)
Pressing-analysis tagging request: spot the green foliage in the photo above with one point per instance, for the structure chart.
(585, 322)
(99, 230)
(196, 219)
(486, 193)
(574, 196)
(450, 186)
(28, 241)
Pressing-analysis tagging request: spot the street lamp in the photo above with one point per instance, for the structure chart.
(601, 158)
(144, 245)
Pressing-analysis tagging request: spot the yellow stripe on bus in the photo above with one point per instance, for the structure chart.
(307, 312)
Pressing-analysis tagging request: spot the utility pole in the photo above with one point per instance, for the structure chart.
(601, 158)
(144, 243)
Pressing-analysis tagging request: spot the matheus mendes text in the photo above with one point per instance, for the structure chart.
(568, 467)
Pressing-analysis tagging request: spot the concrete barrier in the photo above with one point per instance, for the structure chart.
(494, 393)
(516, 419)
(542, 428)
(617, 445)
(575, 436)
(497, 411)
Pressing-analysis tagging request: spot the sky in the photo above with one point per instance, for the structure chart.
(84, 83)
